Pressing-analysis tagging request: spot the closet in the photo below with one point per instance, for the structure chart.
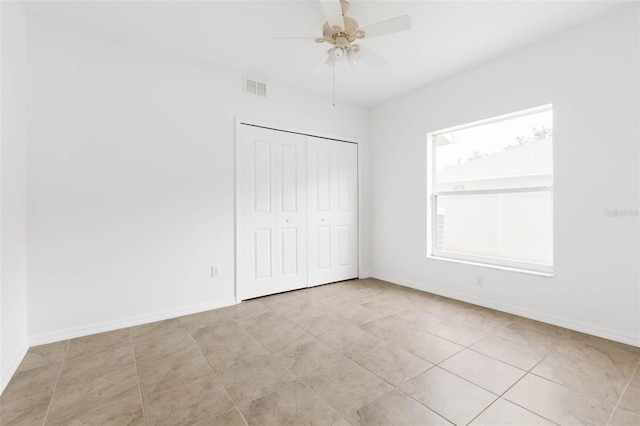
(297, 211)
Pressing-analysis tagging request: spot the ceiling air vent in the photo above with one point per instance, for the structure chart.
(254, 87)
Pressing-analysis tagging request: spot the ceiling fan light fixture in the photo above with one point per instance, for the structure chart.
(338, 53)
(352, 55)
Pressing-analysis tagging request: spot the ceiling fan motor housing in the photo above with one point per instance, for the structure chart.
(337, 35)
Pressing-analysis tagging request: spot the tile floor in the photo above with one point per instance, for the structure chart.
(361, 352)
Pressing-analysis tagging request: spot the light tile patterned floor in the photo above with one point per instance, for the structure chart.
(361, 352)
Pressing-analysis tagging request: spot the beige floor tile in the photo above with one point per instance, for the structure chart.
(505, 413)
(392, 364)
(126, 412)
(630, 400)
(277, 335)
(355, 315)
(233, 350)
(206, 319)
(32, 380)
(446, 308)
(246, 309)
(154, 330)
(187, 402)
(255, 377)
(486, 372)
(84, 367)
(456, 332)
(97, 397)
(298, 311)
(229, 418)
(26, 398)
(590, 379)
(326, 290)
(294, 404)
(341, 422)
(537, 336)
(557, 403)
(617, 358)
(305, 355)
(181, 389)
(321, 324)
(174, 370)
(282, 300)
(623, 417)
(417, 317)
(517, 354)
(219, 332)
(389, 305)
(484, 319)
(426, 345)
(44, 355)
(29, 408)
(165, 347)
(385, 328)
(350, 341)
(451, 397)
(334, 301)
(599, 342)
(263, 321)
(345, 385)
(395, 408)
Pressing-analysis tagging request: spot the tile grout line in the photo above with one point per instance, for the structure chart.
(135, 362)
(615, 408)
(420, 402)
(527, 372)
(64, 358)
(235, 405)
(300, 378)
(499, 396)
(397, 388)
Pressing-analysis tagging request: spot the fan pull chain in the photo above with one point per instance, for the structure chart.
(334, 83)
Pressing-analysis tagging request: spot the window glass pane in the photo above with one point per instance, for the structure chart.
(512, 226)
(510, 153)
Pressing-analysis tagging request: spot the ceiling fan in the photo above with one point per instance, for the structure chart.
(343, 34)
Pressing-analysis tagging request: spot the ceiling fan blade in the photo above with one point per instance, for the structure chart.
(371, 58)
(393, 25)
(333, 12)
(325, 59)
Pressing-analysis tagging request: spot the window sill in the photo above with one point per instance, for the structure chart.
(487, 265)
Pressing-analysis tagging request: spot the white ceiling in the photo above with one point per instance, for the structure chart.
(446, 37)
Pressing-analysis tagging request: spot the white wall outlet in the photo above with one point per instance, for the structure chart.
(479, 281)
(215, 271)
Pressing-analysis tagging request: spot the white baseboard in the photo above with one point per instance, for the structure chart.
(13, 367)
(583, 327)
(85, 330)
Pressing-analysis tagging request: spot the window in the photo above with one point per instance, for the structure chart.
(491, 191)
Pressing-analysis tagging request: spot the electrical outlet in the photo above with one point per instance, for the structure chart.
(215, 271)
(479, 281)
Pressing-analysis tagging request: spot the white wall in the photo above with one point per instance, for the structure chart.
(13, 199)
(590, 75)
(131, 179)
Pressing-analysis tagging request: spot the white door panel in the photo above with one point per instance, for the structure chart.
(332, 210)
(273, 228)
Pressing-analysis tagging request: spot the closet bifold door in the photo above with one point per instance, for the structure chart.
(273, 212)
(332, 174)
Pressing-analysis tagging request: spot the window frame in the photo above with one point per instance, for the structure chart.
(432, 205)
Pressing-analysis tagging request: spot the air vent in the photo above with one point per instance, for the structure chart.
(253, 87)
